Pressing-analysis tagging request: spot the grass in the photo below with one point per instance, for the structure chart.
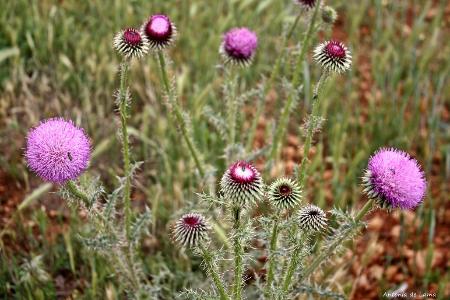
(56, 58)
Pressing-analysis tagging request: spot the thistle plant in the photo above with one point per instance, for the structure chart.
(297, 235)
(58, 151)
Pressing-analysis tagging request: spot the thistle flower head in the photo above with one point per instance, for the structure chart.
(284, 193)
(333, 56)
(57, 150)
(307, 4)
(239, 45)
(191, 229)
(395, 179)
(329, 15)
(242, 184)
(312, 218)
(160, 31)
(130, 43)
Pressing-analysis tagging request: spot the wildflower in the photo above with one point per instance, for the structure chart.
(130, 43)
(307, 4)
(239, 46)
(395, 179)
(329, 15)
(333, 56)
(284, 193)
(242, 184)
(191, 229)
(160, 31)
(312, 218)
(57, 150)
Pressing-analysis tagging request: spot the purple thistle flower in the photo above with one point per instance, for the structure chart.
(242, 184)
(307, 4)
(191, 229)
(395, 179)
(57, 150)
(160, 31)
(239, 45)
(333, 56)
(130, 43)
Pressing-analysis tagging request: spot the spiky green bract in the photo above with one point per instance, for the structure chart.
(191, 230)
(333, 56)
(242, 184)
(131, 43)
(312, 218)
(284, 193)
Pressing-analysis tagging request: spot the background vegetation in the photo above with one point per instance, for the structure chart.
(56, 59)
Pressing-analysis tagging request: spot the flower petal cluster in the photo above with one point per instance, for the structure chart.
(395, 179)
(239, 46)
(57, 150)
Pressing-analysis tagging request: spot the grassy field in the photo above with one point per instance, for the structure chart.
(56, 59)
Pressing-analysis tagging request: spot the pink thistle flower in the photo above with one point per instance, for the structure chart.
(333, 56)
(395, 179)
(57, 150)
(160, 31)
(130, 43)
(191, 229)
(242, 184)
(239, 46)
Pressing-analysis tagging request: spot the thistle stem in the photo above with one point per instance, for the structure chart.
(318, 260)
(295, 82)
(123, 110)
(232, 105)
(207, 257)
(309, 134)
(273, 247)
(179, 115)
(76, 192)
(294, 261)
(238, 255)
(268, 85)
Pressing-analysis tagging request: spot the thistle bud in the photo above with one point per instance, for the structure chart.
(242, 184)
(312, 218)
(191, 229)
(130, 43)
(333, 56)
(329, 15)
(284, 193)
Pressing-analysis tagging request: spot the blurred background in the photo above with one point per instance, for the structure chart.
(56, 59)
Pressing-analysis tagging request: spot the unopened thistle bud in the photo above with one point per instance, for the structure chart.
(191, 230)
(329, 15)
(312, 218)
(131, 43)
(242, 184)
(57, 150)
(333, 56)
(239, 46)
(284, 193)
(159, 31)
(395, 179)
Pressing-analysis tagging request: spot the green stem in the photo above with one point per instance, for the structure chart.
(318, 260)
(294, 261)
(179, 115)
(232, 105)
(76, 192)
(295, 82)
(207, 257)
(268, 85)
(311, 125)
(238, 255)
(273, 247)
(123, 110)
